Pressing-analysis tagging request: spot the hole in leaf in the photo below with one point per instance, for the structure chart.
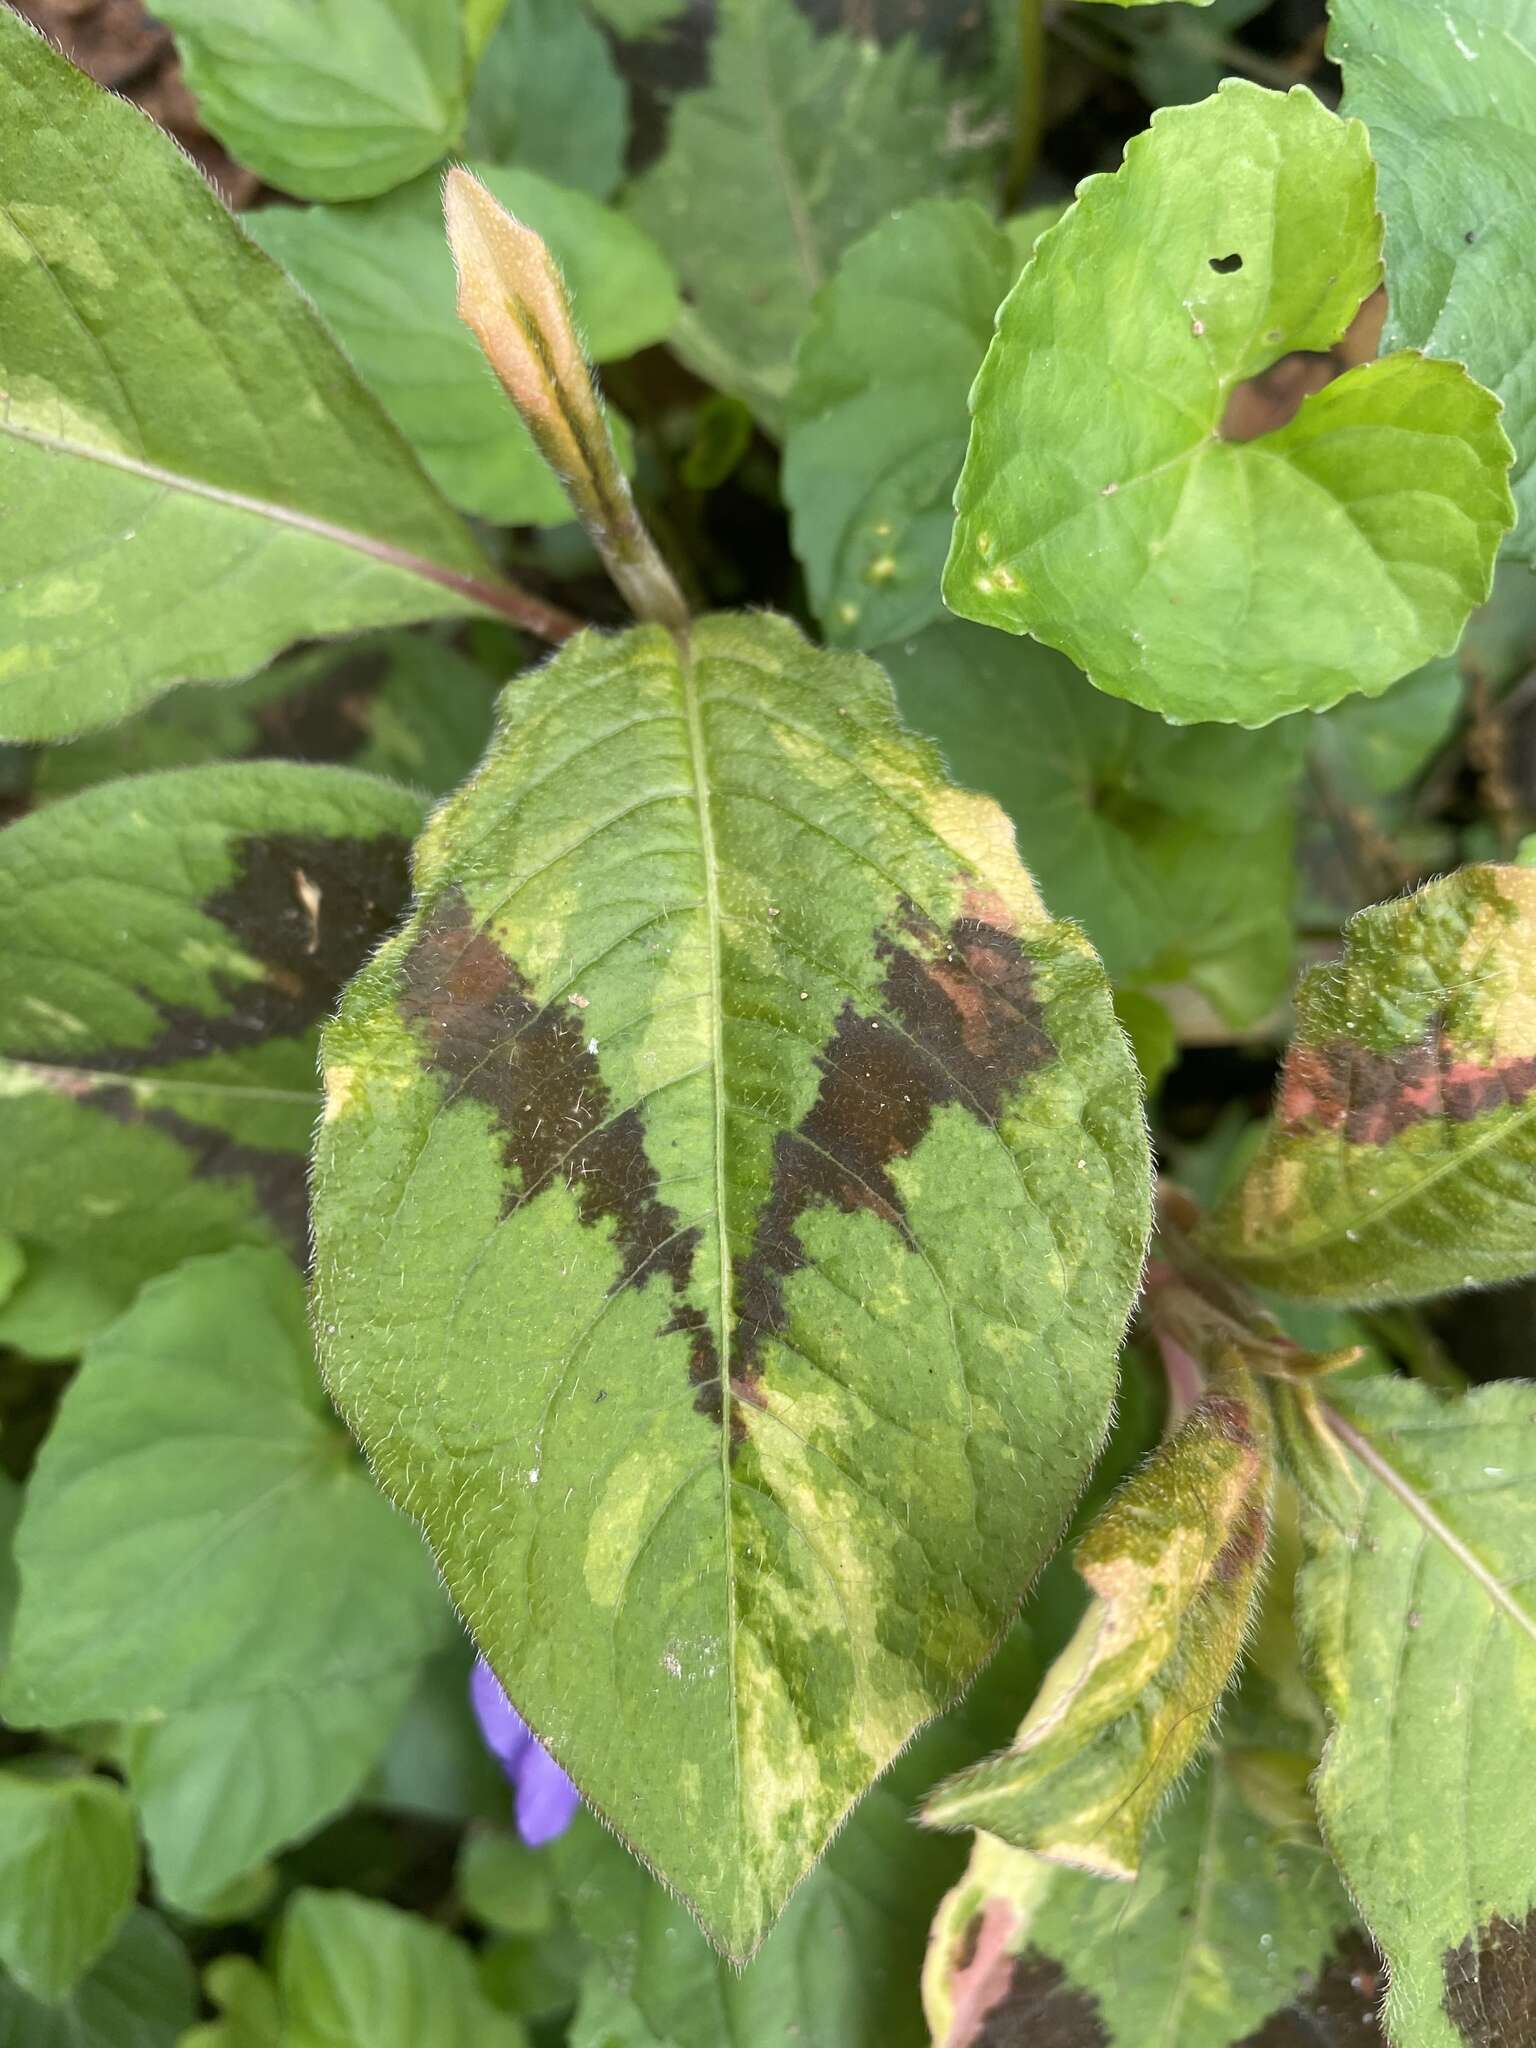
(1263, 404)
(1226, 263)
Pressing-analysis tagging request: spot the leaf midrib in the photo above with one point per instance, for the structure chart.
(1364, 1449)
(481, 592)
(699, 763)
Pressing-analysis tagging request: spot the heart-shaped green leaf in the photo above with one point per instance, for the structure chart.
(1416, 1604)
(198, 1528)
(1449, 96)
(1102, 509)
(335, 100)
(1402, 1156)
(205, 479)
(732, 1188)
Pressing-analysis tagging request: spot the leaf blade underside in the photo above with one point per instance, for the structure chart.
(795, 1022)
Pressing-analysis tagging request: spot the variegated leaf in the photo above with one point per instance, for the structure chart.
(1402, 1156)
(1416, 1605)
(731, 1193)
(1236, 1934)
(1174, 1563)
(172, 941)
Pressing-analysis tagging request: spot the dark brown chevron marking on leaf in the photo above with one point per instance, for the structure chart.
(278, 1179)
(1370, 1097)
(1490, 1984)
(529, 1064)
(1040, 2008)
(960, 1024)
(308, 909)
(1337, 2010)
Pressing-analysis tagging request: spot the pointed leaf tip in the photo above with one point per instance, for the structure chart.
(512, 298)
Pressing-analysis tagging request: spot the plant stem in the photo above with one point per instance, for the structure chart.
(1029, 103)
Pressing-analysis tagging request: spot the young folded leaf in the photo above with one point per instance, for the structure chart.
(1402, 1156)
(1449, 95)
(383, 277)
(205, 479)
(1416, 1607)
(1102, 509)
(731, 1194)
(1174, 1563)
(172, 942)
(1235, 1935)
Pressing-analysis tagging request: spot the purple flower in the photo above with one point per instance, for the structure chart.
(545, 1800)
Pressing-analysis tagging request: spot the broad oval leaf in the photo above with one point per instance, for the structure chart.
(732, 1189)
(1449, 95)
(173, 942)
(335, 100)
(205, 479)
(383, 277)
(1416, 1607)
(1101, 508)
(1174, 1563)
(1401, 1157)
(877, 419)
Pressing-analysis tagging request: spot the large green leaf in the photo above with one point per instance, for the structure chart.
(877, 419)
(1449, 95)
(1174, 1563)
(198, 1530)
(398, 704)
(731, 1191)
(1101, 507)
(1401, 1155)
(353, 1973)
(1173, 848)
(140, 1995)
(220, 1787)
(383, 277)
(1236, 1935)
(797, 146)
(172, 942)
(547, 98)
(1416, 1602)
(204, 477)
(69, 1867)
(329, 99)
